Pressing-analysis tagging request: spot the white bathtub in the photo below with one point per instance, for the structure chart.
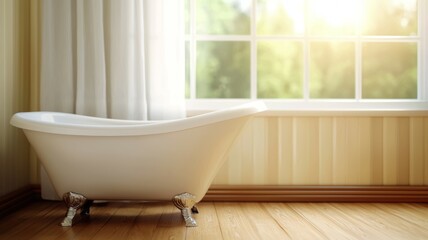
(90, 158)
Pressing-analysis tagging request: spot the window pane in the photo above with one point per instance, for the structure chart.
(186, 16)
(279, 69)
(333, 17)
(389, 70)
(332, 70)
(223, 70)
(223, 16)
(390, 17)
(280, 17)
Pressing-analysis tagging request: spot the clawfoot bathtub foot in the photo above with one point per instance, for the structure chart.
(74, 202)
(185, 202)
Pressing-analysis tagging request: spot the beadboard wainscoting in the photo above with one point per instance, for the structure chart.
(360, 150)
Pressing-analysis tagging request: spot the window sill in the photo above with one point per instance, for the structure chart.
(318, 107)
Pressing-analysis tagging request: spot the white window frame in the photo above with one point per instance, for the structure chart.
(196, 105)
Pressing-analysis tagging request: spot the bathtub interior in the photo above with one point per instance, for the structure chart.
(79, 120)
(71, 124)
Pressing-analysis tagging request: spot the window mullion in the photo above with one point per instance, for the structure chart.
(253, 51)
(422, 50)
(358, 57)
(358, 70)
(192, 49)
(306, 56)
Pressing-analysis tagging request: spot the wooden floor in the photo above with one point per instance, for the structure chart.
(220, 220)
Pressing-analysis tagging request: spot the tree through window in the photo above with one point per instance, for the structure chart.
(296, 49)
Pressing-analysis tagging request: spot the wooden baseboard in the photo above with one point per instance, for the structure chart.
(267, 193)
(18, 198)
(317, 193)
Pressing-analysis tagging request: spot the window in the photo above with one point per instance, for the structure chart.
(354, 51)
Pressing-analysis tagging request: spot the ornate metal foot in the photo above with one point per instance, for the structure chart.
(185, 202)
(74, 201)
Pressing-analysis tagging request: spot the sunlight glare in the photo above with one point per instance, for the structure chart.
(335, 13)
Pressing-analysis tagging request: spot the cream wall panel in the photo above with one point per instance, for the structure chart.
(9, 74)
(329, 150)
(325, 150)
(305, 151)
(14, 82)
(365, 152)
(273, 154)
(396, 151)
(260, 151)
(361, 160)
(390, 147)
(2, 94)
(247, 160)
(417, 151)
(403, 160)
(286, 151)
(352, 151)
(340, 152)
(376, 151)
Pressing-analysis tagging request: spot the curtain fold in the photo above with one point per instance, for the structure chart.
(115, 59)
(163, 52)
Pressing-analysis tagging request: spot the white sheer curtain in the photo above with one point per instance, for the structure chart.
(112, 58)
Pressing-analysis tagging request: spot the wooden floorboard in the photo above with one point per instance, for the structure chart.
(262, 222)
(208, 224)
(145, 223)
(222, 220)
(292, 222)
(326, 223)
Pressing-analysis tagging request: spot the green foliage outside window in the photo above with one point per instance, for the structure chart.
(279, 69)
(284, 37)
(222, 70)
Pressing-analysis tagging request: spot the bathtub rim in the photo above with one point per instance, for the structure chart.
(43, 121)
